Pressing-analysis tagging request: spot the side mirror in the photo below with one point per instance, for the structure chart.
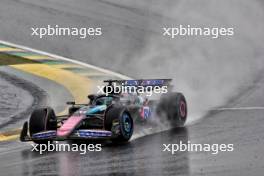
(91, 97)
(70, 103)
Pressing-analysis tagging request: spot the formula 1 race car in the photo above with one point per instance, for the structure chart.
(108, 116)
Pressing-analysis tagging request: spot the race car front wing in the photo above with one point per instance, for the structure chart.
(76, 134)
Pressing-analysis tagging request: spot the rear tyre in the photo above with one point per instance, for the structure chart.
(42, 119)
(119, 121)
(174, 107)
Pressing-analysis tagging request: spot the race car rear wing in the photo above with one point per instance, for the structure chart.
(141, 82)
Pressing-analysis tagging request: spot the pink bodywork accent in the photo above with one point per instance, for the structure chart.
(142, 112)
(69, 125)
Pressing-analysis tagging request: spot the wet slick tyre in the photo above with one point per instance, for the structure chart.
(174, 107)
(119, 121)
(42, 119)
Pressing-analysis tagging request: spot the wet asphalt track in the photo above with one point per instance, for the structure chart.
(50, 94)
(143, 156)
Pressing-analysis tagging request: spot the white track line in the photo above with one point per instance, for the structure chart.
(66, 59)
(240, 108)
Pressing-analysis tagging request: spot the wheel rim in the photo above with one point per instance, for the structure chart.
(182, 109)
(127, 123)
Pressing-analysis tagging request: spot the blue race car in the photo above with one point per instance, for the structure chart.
(109, 116)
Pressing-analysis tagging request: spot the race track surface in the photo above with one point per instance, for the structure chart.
(11, 98)
(211, 72)
(24, 92)
(144, 156)
(132, 42)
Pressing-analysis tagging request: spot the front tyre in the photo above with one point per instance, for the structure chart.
(119, 121)
(42, 119)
